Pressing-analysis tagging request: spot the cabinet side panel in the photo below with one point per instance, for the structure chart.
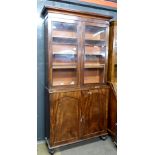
(107, 53)
(46, 100)
(112, 113)
(47, 114)
(106, 92)
(47, 44)
(112, 50)
(46, 50)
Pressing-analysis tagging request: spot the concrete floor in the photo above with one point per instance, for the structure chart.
(90, 147)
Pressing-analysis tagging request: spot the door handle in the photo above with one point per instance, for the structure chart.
(90, 92)
(82, 118)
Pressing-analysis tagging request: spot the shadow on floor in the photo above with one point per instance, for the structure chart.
(94, 146)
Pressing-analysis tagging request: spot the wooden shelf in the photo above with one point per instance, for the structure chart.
(88, 39)
(64, 66)
(64, 40)
(64, 37)
(97, 53)
(65, 53)
(94, 42)
(94, 66)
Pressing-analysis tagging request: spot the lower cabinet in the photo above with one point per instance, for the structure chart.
(77, 115)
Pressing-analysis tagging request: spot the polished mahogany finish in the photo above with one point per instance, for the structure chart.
(112, 78)
(112, 62)
(76, 55)
(76, 50)
(112, 112)
(78, 114)
(64, 117)
(93, 112)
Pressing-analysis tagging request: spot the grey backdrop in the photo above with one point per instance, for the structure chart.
(72, 4)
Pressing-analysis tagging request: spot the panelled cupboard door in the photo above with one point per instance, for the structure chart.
(64, 117)
(93, 112)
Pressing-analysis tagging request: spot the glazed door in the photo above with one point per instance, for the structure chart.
(64, 53)
(93, 112)
(64, 117)
(95, 41)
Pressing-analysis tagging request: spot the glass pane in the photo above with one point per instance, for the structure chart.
(64, 60)
(64, 49)
(67, 30)
(60, 40)
(94, 55)
(93, 75)
(64, 55)
(95, 33)
(94, 60)
(95, 50)
(64, 77)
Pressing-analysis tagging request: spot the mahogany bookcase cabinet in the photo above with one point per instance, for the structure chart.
(76, 55)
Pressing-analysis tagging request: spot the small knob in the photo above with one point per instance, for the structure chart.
(82, 118)
(90, 92)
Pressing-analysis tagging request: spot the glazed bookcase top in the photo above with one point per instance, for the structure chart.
(76, 46)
